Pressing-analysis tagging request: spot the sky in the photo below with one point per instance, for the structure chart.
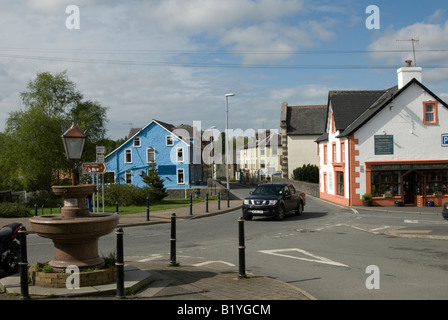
(175, 60)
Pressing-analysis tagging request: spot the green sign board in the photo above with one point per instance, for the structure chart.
(384, 144)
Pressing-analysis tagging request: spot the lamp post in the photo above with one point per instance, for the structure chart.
(227, 140)
(73, 140)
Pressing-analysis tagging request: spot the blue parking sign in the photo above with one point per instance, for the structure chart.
(445, 140)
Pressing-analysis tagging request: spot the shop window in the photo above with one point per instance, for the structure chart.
(436, 182)
(386, 183)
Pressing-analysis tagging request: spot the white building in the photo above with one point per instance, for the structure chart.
(260, 159)
(300, 127)
(388, 143)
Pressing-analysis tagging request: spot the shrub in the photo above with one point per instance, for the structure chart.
(307, 173)
(14, 210)
(125, 195)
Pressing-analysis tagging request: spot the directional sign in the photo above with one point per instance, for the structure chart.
(445, 140)
(94, 167)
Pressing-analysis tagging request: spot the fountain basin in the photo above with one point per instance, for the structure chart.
(75, 239)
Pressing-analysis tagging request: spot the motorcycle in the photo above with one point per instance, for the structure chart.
(10, 248)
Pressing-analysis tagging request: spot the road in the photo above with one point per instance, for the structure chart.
(325, 252)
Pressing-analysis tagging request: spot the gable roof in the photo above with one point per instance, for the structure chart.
(305, 120)
(135, 131)
(388, 96)
(349, 105)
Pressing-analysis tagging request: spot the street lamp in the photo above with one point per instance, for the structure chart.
(73, 140)
(227, 142)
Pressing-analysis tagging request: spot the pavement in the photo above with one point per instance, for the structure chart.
(194, 279)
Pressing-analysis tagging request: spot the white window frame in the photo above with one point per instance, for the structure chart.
(180, 171)
(178, 159)
(169, 140)
(126, 152)
(128, 172)
(147, 155)
(137, 142)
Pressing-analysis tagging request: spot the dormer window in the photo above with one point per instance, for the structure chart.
(430, 112)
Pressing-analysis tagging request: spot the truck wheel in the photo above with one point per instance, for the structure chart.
(280, 213)
(299, 209)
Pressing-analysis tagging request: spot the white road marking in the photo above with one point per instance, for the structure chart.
(153, 257)
(210, 262)
(318, 259)
(410, 221)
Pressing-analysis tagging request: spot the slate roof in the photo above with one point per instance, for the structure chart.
(349, 105)
(305, 120)
(352, 109)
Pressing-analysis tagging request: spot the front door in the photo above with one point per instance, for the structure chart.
(409, 188)
(412, 186)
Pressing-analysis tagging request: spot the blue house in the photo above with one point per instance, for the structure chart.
(170, 148)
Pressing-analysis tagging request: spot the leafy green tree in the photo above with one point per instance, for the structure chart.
(157, 191)
(33, 152)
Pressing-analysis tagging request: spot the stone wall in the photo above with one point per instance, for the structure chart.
(309, 188)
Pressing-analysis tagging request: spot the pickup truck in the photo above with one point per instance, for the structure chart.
(273, 200)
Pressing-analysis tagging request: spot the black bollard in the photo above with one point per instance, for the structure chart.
(191, 204)
(206, 202)
(173, 262)
(219, 200)
(228, 198)
(23, 264)
(241, 250)
(120, 264)
(147, 208)
(35, 209)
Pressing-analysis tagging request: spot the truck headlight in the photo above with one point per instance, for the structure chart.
(246, 201)
(272, 202)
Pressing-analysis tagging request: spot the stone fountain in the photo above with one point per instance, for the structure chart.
(75, 232)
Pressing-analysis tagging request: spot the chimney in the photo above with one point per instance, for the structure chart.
(406, 74)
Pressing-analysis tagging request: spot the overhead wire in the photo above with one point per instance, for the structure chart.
(12, 55)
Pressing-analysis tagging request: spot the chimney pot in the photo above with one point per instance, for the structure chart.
(408, 63)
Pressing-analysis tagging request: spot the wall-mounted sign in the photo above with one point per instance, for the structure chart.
(384, 144)
(445, 140)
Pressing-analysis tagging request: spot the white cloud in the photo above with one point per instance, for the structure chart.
(430, 36)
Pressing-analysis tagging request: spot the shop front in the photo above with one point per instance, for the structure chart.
(417, 183)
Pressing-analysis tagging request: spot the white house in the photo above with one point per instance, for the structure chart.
(300, 127)
(260, 159)
(388, 143)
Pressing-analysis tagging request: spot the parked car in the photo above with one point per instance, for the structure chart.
(273, 200)
(445, 211)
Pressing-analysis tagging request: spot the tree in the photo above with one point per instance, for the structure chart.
(157, 191)
(33, 147)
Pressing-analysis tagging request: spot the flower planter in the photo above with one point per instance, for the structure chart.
(86, 278)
